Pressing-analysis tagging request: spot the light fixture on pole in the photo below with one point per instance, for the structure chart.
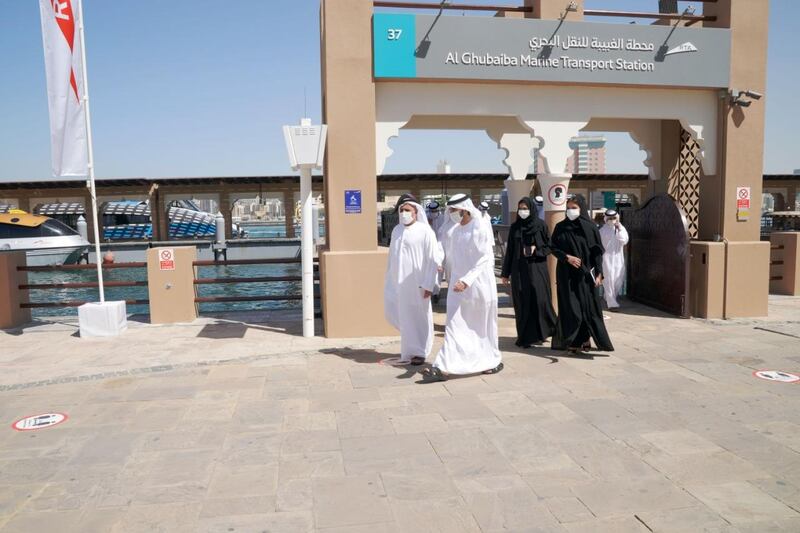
(305, 145)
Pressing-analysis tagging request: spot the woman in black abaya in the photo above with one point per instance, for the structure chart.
(577, 246)
(525, 262)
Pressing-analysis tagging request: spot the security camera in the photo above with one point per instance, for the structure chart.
(753, 94)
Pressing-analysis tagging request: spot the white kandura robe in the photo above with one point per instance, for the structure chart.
(445, 236)
(435, 224)
(470, 339)
(613, 262)
(411, 270)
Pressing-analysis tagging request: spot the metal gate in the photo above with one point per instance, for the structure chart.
(658, 255)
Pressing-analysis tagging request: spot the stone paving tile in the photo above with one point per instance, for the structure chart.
(740, 503)
(294, 522)
(611, 497)
(349, 501)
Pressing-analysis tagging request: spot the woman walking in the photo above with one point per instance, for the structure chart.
(577, 245)
(525, 263)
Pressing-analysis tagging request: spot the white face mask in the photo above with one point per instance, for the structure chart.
(572, 214)
(456, 217)
(406, 217)
(611, 222)
(523, 213)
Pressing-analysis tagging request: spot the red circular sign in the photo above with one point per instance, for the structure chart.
(45, 420)
(557, 194)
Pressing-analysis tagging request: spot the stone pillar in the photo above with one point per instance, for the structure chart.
(353, 266)
(741, 157)
(11, 315)
(288, 211)
(555, 188)
(161, 220)
(225, 208)
(170, 284)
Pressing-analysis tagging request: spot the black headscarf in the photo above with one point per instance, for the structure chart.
(529, 228)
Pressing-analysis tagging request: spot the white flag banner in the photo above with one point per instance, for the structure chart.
(62, 57)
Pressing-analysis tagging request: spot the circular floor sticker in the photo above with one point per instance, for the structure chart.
(777, 375)
(46, 420)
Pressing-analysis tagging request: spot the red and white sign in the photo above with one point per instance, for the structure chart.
(64, 66)
(742, 203)
(743, 197)
(557, 194)
(777, 375)
(166, 259)
(46, 420)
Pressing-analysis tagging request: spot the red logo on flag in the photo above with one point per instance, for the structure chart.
(66, 21)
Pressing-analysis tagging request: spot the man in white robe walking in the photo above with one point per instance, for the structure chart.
(470, 339)
(614, 237)
(410, 279)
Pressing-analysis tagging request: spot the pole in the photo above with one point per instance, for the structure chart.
(307, 257)
(87, 114)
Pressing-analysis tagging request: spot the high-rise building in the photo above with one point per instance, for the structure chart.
(588, 156)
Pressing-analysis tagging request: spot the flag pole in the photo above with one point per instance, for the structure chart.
(87, 114)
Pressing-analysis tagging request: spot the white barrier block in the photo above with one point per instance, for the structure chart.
(107, 319)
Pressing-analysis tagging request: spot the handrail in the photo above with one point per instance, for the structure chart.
(232, 262)
(88, 266)
(73, 303)
(263, 279)
(82, 285)
(266, 298)
(460, 7)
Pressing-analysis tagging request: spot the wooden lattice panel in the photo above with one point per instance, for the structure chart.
(686, 189)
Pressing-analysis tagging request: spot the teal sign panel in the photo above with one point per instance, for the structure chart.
(394, 45)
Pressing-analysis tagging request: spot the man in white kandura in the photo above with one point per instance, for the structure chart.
(486, 219)
(614, 237)
(470, 338)
(410, 280)
(435, 219)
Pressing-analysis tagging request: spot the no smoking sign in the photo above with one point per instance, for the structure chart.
(166, 259)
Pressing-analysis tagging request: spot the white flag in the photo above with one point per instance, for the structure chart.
(62, 58)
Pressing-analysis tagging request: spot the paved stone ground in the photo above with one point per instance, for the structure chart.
(222, 426)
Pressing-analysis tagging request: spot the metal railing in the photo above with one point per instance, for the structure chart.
(78, 285)
(256, 279)
(197, 281)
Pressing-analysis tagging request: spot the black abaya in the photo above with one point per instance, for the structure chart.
(580, 313)
(530, 280)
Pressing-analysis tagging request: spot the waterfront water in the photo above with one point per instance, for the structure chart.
(258, 231)
(140, 293)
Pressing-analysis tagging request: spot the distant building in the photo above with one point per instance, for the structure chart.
(588, 156)
(443, 167)
(796, 172)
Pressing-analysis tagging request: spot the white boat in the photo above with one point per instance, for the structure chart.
(46, 241)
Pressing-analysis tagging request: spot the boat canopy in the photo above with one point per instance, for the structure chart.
(22, 219)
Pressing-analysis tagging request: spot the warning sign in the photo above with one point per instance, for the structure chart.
(742, 203)
(166, 259)
(30, 423)
(776, 375)
(557, 194)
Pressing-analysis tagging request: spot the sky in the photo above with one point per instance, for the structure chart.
(202, 88)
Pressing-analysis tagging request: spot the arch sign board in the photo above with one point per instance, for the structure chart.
(492, 48)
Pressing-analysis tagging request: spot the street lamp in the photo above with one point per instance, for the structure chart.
(305, 145)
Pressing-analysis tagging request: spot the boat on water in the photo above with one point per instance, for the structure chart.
(46, 241)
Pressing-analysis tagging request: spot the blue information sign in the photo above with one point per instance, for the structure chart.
(352, 201)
